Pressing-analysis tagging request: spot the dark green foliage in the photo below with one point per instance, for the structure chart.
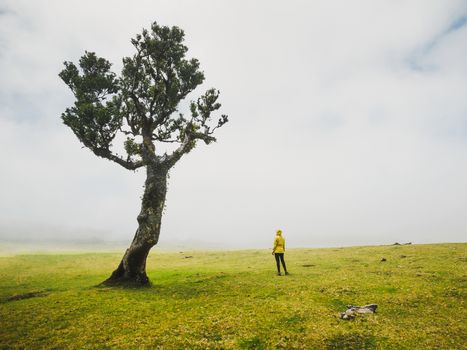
(94, 118)
(142, 102)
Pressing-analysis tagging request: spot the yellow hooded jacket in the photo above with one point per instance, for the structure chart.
(279, 243)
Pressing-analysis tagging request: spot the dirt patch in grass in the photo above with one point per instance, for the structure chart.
(28, 295)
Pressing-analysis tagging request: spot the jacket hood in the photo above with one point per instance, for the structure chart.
(279, 233)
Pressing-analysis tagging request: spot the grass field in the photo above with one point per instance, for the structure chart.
(234, 300)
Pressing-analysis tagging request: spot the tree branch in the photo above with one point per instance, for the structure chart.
(105, 153)
(186, 146)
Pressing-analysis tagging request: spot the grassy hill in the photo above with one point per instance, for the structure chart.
(234, 300)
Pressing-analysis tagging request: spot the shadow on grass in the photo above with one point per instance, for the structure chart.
(177, 286)
(28, 295)
(186, 286)
(252, 343)
(351, 341)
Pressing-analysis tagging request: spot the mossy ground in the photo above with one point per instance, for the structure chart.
(234, 300)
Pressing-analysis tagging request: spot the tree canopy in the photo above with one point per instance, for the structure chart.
(142, 103)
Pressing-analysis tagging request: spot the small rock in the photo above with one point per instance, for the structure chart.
(345, 316)
(352, 311)
(383, 259)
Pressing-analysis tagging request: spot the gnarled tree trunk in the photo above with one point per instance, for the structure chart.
(132, 268)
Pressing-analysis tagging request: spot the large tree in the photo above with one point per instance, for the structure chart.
(142, 104)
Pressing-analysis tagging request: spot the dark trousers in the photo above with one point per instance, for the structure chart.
(280, 256)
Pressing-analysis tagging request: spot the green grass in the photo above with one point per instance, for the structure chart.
(234, 300)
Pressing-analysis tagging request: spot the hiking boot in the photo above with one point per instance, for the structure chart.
(286, 273)
(279, 274)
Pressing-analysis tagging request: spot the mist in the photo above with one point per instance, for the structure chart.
(348, 124)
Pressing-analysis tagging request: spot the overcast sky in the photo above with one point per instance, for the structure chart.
(348, 123)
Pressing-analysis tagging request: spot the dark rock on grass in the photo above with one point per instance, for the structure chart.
(383, 259)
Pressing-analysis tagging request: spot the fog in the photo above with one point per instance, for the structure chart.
(348, 123)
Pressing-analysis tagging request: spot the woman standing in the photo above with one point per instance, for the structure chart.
(278, 252)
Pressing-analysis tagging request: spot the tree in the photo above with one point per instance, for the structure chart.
(142, 106)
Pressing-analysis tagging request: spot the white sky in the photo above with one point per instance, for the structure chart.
(348, 123)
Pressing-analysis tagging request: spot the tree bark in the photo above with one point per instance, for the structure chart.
(132, 268)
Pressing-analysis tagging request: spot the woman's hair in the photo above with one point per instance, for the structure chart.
(278, 232)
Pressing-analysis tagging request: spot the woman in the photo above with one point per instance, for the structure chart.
(278, 252)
